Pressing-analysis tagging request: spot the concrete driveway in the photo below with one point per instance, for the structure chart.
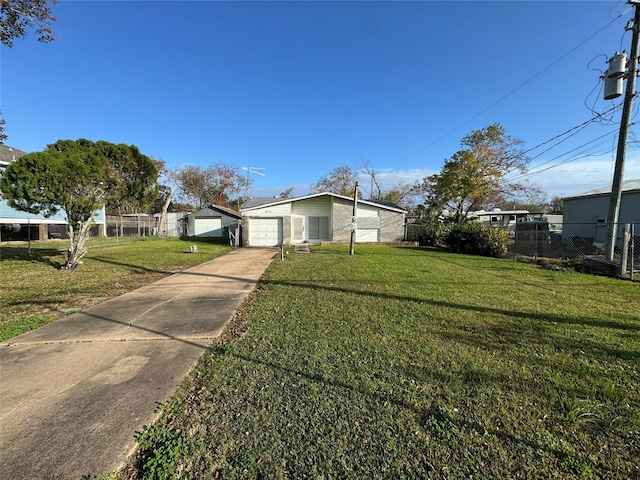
(74, 393)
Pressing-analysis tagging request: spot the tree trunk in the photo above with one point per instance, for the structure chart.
(163, 216)
(77, 250)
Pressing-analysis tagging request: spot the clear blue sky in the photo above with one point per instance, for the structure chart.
(299, 88)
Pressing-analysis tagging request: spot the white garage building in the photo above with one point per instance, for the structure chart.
(212, 221)
(319, 217)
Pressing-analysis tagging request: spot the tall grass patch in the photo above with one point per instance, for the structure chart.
(412, 363)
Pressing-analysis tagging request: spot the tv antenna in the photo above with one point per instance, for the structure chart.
(249, 170)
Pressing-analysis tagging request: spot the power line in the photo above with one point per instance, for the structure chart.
(562, 57)
(577, 127)
(607, 136)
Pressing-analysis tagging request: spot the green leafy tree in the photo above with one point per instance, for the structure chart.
(19, 16)
(476, 176)
(79, 177)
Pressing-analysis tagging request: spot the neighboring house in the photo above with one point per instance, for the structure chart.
(585, 216)
(212, 221)
(8, 155)
(18, 225)
(319, 217)
(500, 218)
(593, 206)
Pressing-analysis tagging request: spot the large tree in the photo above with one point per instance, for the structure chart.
(476, 176)
(209, 186)
(79, 177)
(341, 181)
(19, 16)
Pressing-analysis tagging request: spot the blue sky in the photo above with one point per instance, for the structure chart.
(299, 88)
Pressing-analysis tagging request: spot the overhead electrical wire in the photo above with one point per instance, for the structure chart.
(577, 127)
(562, 57)
(603, 139)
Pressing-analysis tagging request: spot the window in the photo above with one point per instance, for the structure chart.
(318, 228)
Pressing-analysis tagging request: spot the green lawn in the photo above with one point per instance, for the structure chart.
(34, 291)
(412, 363)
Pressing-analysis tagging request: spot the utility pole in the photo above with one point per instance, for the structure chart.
(354, 220)
(618, 174)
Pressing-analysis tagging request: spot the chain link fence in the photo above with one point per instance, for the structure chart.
(587, 246)
(601, 248)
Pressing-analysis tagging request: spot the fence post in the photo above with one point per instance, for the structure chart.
(535, 243)
(633, 254)
(625, 250)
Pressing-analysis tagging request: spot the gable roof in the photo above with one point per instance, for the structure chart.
(226, 211)
(628, 186)
(10, 154)
(386, 203)
(263, 202)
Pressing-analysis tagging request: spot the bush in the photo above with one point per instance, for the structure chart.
(430, 232)
(476, 239)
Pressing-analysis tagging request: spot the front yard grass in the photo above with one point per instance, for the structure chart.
(411, 363)
(34, 291)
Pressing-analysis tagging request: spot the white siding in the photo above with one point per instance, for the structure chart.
(367, 211)
(316, 207)
(281, 210)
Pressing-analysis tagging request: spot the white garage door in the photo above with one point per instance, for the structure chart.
(264, 232)
(208, 227)
(368, 227)
(367, 235)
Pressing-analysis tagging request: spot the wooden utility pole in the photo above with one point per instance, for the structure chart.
(618, 174)
(354, 220)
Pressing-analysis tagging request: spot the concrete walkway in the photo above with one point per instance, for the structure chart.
(74, 393)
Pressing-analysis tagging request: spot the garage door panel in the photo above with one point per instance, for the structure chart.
(265, 232)
(367, 235)
(208, 227)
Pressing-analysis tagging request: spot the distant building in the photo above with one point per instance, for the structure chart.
(16, 225)
(500, 218)
(593, 206)
(585, 216)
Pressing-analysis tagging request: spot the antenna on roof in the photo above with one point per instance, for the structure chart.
(249, 170)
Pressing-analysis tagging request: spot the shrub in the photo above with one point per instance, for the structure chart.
(476, 239)
(430, 231)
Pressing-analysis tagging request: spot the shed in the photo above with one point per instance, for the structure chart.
(317, 218)
(585, 216)
(212, 221)
(593, 206)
